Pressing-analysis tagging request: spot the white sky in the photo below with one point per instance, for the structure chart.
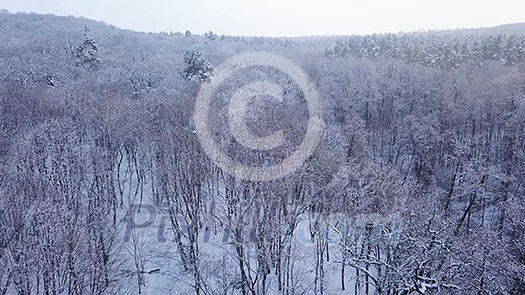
(283, 17)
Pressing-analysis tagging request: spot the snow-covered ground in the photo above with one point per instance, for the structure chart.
(146, 244)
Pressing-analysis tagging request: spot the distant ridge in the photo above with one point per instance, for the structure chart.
(518, 28)
(507, 29)
(79, 22)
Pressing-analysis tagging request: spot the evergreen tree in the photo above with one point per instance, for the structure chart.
(197, 66)
(87, 52)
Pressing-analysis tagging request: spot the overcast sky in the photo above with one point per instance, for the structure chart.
(284, 17)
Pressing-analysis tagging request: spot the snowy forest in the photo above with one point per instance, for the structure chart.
(417, 184)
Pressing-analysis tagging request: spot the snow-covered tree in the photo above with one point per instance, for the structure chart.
(197, 67)
(87, 52)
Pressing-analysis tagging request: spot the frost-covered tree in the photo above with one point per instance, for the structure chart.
(197, 67)
(210, 35)
(87, 52)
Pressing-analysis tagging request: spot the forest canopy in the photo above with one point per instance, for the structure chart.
(416, 185)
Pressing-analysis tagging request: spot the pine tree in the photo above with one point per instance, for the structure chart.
(197, 66)
(87, 52)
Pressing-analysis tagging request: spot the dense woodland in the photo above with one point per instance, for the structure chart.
(417, 185)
